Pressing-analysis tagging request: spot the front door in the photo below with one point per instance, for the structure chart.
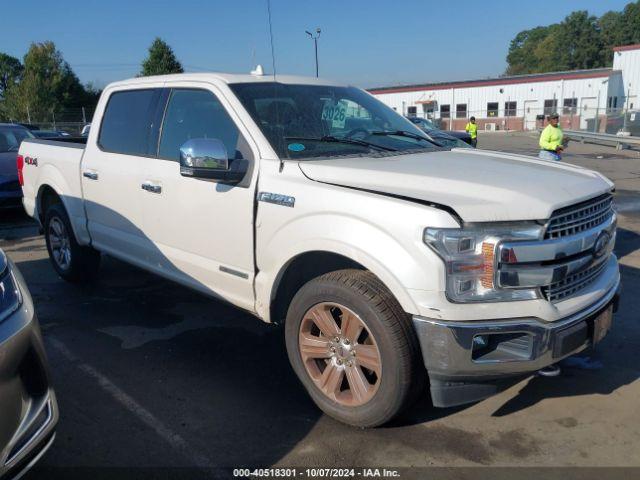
(530, 114)
(588, 111)
(202, 229)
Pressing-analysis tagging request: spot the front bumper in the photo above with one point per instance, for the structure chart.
(28, 407)
(460, 373)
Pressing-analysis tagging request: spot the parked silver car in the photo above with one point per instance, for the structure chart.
(28, 408)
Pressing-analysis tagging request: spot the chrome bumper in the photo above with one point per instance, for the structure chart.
(522, 346)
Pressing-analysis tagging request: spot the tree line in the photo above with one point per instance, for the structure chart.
(580, 41)
(44, 86)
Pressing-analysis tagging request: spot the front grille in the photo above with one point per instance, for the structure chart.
(580, 217)
(572, 283)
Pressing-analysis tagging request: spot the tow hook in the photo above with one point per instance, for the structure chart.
(550, 371)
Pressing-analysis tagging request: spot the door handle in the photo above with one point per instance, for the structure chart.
(152, 188)
(90, 175)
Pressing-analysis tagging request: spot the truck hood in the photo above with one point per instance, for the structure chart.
(480, 186)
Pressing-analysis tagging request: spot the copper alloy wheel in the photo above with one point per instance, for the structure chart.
(340, 354)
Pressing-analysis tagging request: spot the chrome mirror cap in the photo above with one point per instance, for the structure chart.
(209, 153)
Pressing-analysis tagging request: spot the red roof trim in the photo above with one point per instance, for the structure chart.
(627, 47)
(491, 82)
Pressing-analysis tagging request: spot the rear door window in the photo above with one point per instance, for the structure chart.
(128, 122)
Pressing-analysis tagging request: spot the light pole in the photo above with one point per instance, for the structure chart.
(315, 41)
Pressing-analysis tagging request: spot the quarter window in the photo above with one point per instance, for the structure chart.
(127, 122)
(197, 114)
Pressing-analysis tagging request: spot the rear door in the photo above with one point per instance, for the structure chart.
(114, 168)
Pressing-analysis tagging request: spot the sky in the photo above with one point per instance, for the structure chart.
(366, 43)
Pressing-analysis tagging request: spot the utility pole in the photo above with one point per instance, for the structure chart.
(315, 42)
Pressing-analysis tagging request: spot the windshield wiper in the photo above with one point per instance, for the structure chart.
(349, 141)
(403, 133)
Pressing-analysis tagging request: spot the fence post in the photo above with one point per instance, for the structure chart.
(53, 114)
(84, 116)
(28, 115)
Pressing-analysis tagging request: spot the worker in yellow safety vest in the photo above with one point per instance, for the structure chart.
(472, 130)
(551, 145)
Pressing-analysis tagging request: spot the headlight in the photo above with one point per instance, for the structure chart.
(469, 255)
(10, 298)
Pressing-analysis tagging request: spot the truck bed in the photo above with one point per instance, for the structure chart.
(55, 163)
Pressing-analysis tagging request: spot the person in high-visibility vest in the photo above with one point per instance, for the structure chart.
(551, 146)
(472, 130)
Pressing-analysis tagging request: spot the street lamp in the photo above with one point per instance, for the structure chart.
(315, 41)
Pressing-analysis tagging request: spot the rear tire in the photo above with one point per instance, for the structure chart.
(347, 311)
(73, 262)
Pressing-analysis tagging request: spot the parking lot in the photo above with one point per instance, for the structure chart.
(149, 374)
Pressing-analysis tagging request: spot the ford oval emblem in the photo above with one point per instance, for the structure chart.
(600, 247)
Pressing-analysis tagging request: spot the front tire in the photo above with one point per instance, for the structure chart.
(353, 348)
(73, 262)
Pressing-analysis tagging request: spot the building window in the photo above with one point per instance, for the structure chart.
(609, 100)
(510, 109)
(550, 106)
(445, 111)
(461, 110)
(615, 102)
(492, 109)
(569, 106)
(412, 111)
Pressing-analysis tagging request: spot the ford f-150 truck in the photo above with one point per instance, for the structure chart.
(390, 260)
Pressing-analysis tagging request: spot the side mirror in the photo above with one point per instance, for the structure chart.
(208, 158)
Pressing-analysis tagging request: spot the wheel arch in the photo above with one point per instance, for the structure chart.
(310, 264)
(49, 194)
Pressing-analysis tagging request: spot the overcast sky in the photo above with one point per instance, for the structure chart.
(368, 43)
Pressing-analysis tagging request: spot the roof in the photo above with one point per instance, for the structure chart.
(627, 47)
(228, 78)
(511, 80)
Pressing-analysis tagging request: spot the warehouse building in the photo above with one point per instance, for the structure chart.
(585, 99)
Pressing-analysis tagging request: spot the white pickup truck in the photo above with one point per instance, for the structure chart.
(390, 260)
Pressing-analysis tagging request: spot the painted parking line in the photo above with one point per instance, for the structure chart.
(174, 439)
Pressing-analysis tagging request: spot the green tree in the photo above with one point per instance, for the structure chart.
(10, 72)
(522, 58)
(48, 86)
(161, 60)
(580, 41)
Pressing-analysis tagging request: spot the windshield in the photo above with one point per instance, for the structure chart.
(424, 123)
(11, 137)
(312, 121)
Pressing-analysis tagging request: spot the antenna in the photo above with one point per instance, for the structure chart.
(273, 63)
(273, 55)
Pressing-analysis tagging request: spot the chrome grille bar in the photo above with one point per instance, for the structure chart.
(575, 219)
(572, 283)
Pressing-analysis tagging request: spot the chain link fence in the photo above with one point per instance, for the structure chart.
(615, 121)
(70, 121)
